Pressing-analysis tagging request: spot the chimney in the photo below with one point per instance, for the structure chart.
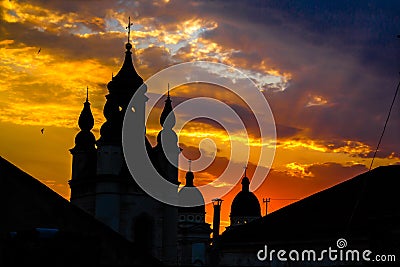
(217, 215)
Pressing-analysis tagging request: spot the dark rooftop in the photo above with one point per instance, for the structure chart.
(38, 226)
(362, 208)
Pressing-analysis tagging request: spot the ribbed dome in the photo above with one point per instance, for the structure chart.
(245, 202)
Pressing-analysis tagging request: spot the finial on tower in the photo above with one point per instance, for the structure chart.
(168, 110)
(189, 175)
(129, 28)
(128, 45)
(245, 171)
(86, 120)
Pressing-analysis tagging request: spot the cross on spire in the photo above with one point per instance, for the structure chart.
(168, 90)
(87, 93)
(245, 171)
(129, 28)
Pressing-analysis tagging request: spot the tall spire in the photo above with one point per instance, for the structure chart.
(85, 138)
(83, 153)
(86, 120)
(166, 147)
(121, 89)
(126, 80)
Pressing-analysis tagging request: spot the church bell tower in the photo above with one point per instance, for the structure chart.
(101, 183)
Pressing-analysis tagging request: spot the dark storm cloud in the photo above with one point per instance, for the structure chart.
(343, 51)
(283, 131)
(153, 59)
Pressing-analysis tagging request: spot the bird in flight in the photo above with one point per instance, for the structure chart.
(42, 130)
(40, 49)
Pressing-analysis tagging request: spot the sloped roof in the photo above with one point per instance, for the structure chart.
(26, 204)
(370, 199)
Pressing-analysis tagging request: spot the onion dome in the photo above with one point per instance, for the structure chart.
(121, 89)
(167, 137)
(86, 120)
(85, 138)
(245, 203)
(167, 118)
(127, 80)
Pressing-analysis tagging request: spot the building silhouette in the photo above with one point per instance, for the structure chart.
(363, 211)
(102, 185)
(110, 220)
(193, 231)
(245, 206)
(41, 228)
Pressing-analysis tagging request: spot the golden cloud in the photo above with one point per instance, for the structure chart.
(42, 88)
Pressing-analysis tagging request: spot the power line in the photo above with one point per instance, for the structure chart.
(373, 158)
(384, 127)
(268, 200)
(281, 199)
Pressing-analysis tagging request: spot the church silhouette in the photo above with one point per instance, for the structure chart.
(111, 221)
(102, 185)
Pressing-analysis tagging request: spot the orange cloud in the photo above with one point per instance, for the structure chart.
(317, 101)
(46, 90)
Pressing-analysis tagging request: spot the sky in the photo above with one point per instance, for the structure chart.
(328, 70)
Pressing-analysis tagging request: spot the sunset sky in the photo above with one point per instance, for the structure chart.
(328, 69)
